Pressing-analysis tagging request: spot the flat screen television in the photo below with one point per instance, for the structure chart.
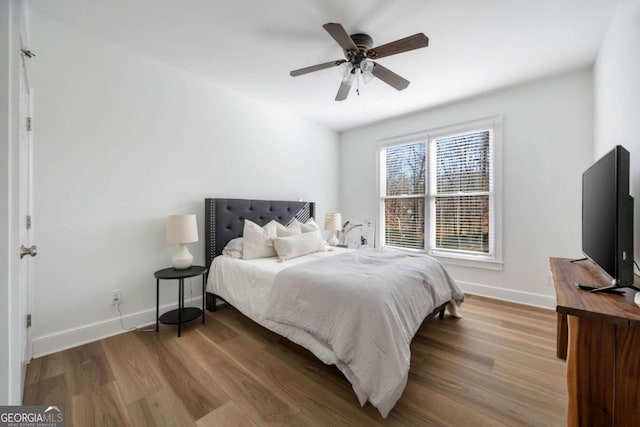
(607, 217)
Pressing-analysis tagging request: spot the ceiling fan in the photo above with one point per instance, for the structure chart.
(359, 55)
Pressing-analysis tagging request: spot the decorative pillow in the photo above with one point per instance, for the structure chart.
(256, 242)
(309, 226)
(234, 248)
(301, 244)
(290, 230)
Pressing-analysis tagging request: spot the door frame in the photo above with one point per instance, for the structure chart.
(25, 208)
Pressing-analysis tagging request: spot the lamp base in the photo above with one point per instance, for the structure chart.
(182, 259)
(333, 239)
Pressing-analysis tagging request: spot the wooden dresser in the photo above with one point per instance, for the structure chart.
(599, 335)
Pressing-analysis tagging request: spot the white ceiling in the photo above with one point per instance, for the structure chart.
(251, 45)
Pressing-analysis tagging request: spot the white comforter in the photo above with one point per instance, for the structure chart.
(399, 288)
(365, 307)
(246, 284)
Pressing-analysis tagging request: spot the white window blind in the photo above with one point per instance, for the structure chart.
(463, 191)
(404, 196)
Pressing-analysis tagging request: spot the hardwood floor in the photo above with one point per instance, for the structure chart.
(494, 367)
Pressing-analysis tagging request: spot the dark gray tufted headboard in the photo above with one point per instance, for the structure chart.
(224, 219)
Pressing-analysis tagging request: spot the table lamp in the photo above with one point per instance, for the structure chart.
(182, 229)
(333, 223)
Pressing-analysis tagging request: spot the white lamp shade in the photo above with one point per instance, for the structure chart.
(332, 221)
(182, 229)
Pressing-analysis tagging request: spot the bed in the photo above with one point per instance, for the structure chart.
(350, 308)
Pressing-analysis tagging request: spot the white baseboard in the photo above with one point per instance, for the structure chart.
(52, 343)
(58, 341)
(520, 297)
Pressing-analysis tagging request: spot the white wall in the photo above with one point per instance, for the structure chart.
(121, 142)
(10, 351)
(617, 96)
(547, 142)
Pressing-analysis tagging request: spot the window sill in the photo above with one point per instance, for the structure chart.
(458, 260)
(468, 261)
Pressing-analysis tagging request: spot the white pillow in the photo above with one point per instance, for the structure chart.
(256, 242)
(290, 230)
(309, 226)
(233, 248)
(301, 244)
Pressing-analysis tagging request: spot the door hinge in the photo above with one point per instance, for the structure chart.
(28, 320)
(27, 53)
(29, 123)
(28, 222)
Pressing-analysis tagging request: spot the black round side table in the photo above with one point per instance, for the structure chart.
(181, 314)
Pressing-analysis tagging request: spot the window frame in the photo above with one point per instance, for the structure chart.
(491, 260)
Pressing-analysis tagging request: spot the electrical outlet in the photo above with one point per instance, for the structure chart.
(116, 296)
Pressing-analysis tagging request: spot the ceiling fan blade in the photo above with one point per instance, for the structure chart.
(343, 91)
(389, 77)
(339, 34)
(406, 44)
(318, 67)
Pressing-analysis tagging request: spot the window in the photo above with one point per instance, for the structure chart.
(404, 200)
(439, 192)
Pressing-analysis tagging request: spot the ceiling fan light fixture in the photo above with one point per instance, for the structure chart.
(366, 66)
(350, 78)
(366, 70)
(345, 69)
